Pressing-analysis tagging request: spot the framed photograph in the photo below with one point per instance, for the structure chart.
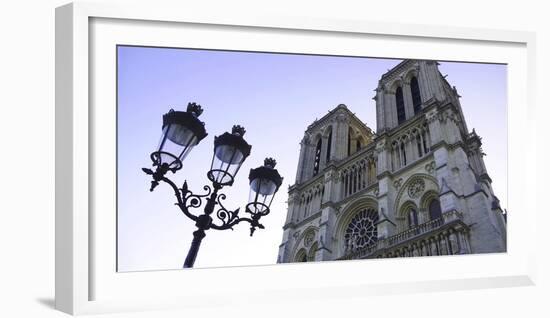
(247, 157)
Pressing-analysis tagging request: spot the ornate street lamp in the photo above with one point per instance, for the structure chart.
(230, 152)
(264, 183)
(181, 131)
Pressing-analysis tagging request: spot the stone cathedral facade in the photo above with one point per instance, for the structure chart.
(416, 187)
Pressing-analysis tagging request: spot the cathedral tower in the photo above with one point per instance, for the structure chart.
(417, 187)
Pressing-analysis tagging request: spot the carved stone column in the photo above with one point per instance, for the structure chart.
(453, 243)
(434, 125)
(415, 250)
(292, 208)
(380, 111)
(284, 248)
(326, 228)
(391, 111)
(341, 136)
(433, 246)
(304, 149)
(444, 245)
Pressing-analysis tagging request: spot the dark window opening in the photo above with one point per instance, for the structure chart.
(317, 158)
(400, 105)
(424, 142)
(419, 146)
(404, 152)
(349, 142)
(413, 218)
(435, 209)
(329, 143)
(417, 100)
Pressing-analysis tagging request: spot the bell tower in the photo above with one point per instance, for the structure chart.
(328, 141)
(418, 187)
(404, 91)
(420, 122)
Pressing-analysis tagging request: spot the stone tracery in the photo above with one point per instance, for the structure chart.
(361, 230)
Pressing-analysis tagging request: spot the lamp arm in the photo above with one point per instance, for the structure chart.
(186, 198)
(231, 218)
(227, 217)
(236, 221)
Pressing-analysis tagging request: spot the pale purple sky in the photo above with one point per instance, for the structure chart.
(275, 97)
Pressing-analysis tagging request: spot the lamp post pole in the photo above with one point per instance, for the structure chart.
(181, 132)
(203, 223)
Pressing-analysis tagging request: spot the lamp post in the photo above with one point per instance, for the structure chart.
(181, 131)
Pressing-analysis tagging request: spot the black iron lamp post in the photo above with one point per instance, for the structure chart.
(181, 131)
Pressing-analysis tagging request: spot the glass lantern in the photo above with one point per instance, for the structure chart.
(181, 131)
(230, 151)
(264, 183)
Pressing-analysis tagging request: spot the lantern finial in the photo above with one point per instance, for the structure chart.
(194, 109)
(270, 162)
(238, 130)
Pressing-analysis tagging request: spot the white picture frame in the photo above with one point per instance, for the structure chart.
(85, 280)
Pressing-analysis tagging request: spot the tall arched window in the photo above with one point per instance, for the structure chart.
(419, 145)
(317, 157)
(349, 141)
(329, 143)
(435, 209)
(412, 218)
(306, 212)
(400, 105)
(403, 155)
(304, 208)
(301, 256)
(358, 144)
(415, 91)
(425, 135)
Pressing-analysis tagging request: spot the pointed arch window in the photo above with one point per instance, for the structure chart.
(403, 155)
(329, 143)
(415, 92)
(301, 256)
(412, 218)
(425, 136)
(349, 141)
(419, 145)
(435, 209)
(317, 157)
(400, 104)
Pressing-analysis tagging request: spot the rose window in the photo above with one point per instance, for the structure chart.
(361, 231)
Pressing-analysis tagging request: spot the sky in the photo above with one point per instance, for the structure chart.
(275, 97)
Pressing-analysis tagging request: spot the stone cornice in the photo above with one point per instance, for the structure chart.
(411, 122)
(339, 109)
(312, 217)
(364, 151)
(485, 176)
(384, 174)
(411, 166)
(356, 195)
(301, 186)
(329, 204)
(397, 70)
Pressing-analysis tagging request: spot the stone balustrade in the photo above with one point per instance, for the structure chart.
(447, 235)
